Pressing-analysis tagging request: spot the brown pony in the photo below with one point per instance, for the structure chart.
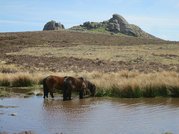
(73, 84)
(51, 83)
(90, 88)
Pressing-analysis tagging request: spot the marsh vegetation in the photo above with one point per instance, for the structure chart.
(119, 84)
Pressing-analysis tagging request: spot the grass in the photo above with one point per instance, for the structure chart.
(19, 79)
(124, 84)
(164, 54)
(8, 68)
(22, 81)
(133, 85)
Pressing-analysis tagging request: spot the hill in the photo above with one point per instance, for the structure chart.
(116, 25)
(66, 50)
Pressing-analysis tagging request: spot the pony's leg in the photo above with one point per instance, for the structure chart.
(45, 94)
(51, 93)
(45, 88)
(69, 94)
(64, 94)
(81, 94)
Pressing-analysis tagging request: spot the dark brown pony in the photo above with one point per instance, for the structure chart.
(73, 84)
(51, 83)
(90, 88)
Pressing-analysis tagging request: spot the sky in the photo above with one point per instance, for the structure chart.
(157, 17)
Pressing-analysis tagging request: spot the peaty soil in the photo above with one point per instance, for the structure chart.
(67, 64)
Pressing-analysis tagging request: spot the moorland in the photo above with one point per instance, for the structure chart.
(119, 65)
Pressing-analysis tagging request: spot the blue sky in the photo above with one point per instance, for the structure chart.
(157, 17)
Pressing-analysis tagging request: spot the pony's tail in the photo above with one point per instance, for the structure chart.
(45, 88)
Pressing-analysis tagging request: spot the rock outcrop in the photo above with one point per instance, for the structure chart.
(53, 25)
(117, 25)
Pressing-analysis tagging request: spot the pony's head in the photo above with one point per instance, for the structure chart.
(81, 78)
(93, 90)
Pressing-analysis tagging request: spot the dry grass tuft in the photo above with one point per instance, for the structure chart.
(120, 84)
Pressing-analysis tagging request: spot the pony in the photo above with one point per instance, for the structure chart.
(73, 84)
(51, 83)
(91, 88)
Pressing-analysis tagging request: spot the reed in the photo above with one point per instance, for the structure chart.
(4, 80)
(119, 84)
(138, 85)
(20, 79)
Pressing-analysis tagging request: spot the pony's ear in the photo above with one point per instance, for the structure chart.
(65, 78)
(81, 78)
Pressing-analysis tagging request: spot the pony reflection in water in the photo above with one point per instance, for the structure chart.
(51, 84)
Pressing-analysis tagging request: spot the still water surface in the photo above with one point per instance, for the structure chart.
(90, 116)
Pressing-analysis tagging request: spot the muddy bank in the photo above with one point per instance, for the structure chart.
(23, 132)
(20, 92)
